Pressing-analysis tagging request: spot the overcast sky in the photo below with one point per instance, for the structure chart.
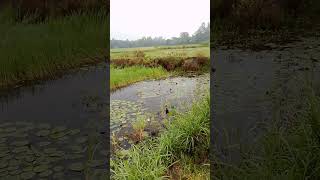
(133, 19)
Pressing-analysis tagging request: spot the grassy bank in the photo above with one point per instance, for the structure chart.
(120, 77)
(44, 50)
(180, 152)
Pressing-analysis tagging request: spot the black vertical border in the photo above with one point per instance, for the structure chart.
(107, 90)
(212, 73)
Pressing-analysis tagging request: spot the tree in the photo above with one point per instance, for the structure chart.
(184, 38)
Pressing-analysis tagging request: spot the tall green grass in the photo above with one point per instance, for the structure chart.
(43, 50)
(184, 146)
(128, 75)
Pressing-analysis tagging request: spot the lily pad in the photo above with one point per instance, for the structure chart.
(12, 168)
(81, 140)
(50, 150)
(27, 175)
(4, 153)
(45, 143)
(53, 159)
(58, 135)
(56, 154)
(28, 128)
(58, 175)
(20, 143)
(3, 164)
(44, 126)
(74, 131)
(77, 149)
(45, 173)
(20, 149)
(73, 156)
(6, 124)
(58, 168)
(58, 129)
(4, 173)
(3, 140)
(76, 166)
(20, 135)
(15, 172)
(27, 169)
(29, 158)
(43, 133)
(40, 168)
(14, 162)
(10, 129)
(95, 163)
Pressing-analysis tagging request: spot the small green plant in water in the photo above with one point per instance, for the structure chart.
(138, 127)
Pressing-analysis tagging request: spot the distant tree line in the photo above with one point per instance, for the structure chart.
(201, 35)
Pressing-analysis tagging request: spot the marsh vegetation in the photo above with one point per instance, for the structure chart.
(48, 47)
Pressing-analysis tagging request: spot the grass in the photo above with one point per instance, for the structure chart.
(44, 50)
(163, 51)
(179, 152)
(128, 75)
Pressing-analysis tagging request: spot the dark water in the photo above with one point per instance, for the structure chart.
(59, 122)
(251, 90)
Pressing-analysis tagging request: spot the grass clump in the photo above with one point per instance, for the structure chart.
(179, 149)
(120, 77)
(138, 129)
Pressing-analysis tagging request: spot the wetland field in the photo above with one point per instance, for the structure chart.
(159, 94)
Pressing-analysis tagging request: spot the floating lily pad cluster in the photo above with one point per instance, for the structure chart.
(123, 112)
(30, 151)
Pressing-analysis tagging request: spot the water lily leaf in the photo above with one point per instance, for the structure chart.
(20, 143)
(27, 169)
(50, 150)
(73, 156)
(45, 173)
(15, 172)
(44, 126)
(45, 143)
(58, 175)
(43, 133)
(76, 166)
(27, 175)
(96, 163)
(58, 129)
(12, 168)
(58, 168)
(40, 168)
(3, 164)
(81, 140)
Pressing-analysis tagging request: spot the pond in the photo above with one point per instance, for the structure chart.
(153, 99)
(55, 129)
